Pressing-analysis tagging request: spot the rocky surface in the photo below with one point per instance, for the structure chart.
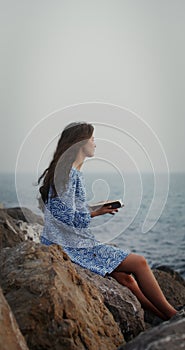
(176, 276)
(124, 306)
(54, 307)
(24, 214)
(14, 229)
(10, 335)
(173, 287)
(168, 335)
(10, 234)
(31, 232)
(59, 305)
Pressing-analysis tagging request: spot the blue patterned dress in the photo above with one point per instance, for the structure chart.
(66, 222)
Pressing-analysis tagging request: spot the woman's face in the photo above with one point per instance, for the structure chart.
(89, 148)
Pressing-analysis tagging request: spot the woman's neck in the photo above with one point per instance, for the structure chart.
(77, 165)
(79, 160)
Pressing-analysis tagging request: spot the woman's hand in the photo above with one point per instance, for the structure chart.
(103, 210)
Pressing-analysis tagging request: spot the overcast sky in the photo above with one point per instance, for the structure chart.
(121, 53)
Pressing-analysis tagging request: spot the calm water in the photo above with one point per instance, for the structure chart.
(164, 243)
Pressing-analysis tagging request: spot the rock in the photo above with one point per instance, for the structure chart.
(14, 231)
(176, 276)
(10, 234)
(121, 302)
(24, 214)
(31, 232)
(173, 287)
(10, 335)
(40, 284)
(54, 307)
(167, 336)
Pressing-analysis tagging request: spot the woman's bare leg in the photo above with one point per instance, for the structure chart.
(149, 286)
(130, 282)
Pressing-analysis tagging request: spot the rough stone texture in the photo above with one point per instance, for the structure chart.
(10, 234)
(57, 309)
(124, 306)
(176, 276)
(169, 335)
(24, 214)
(173, 287)
(14, 231)
(54, 307)
(31, 232)
(10, 335)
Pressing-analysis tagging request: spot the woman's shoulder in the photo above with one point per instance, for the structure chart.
(76, 175)
(78, 179)
(75, 172)
(75, 179)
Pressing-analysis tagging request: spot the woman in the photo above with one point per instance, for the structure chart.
(67, 220)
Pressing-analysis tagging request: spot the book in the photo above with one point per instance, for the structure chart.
(117, 203)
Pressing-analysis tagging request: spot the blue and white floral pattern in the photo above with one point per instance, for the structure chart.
(67, 220)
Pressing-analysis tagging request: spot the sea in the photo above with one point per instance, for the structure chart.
(162, 241)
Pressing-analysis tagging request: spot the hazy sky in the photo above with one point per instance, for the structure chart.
(129, 53)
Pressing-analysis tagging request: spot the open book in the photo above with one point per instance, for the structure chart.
(117, 203)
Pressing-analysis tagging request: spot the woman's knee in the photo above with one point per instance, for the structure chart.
(141, 261)
(129, 281)
(140, 264)
(137, 262)
(125, 279)
(132, 264)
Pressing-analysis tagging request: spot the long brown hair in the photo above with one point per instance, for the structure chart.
(57, 174)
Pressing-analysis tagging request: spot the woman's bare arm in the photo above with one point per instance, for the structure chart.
(103, 210)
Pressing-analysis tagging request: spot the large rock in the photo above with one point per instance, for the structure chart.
(10, 335)
(176, 276)
(54, 307)
(24, 214)
(14, 230)
(35, 324)
(10, 234)
(173, 287)
(124, 306)
(169, 335)
(31, 232)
